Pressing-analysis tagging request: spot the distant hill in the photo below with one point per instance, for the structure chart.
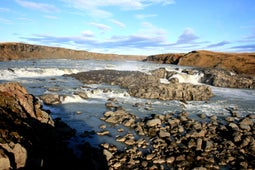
(241, 63)
(19, 51)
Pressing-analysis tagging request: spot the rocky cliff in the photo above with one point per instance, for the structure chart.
(240, 63)
(20, 51)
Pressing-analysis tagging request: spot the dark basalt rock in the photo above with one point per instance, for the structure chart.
(143, 85)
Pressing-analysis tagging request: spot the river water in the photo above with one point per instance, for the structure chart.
(84, 114)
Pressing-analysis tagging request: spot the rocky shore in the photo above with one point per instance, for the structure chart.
(176, 141)
(31, 139)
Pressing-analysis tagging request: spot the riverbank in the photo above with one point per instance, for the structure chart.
(22, 51)
(239, 63)
(31, 139)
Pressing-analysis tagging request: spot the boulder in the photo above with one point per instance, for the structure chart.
(18, 151)
(4, 161)
(50, 99)
(153, 122)
(82, 94)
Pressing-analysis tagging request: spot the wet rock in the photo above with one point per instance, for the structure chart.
(163, 134)
(223, 78)
(54, 89)
(159, 161)
(209, 146)
(82, 94)
(102, 133)
(199, 144)
(202, 116)
(170, 160)
(103, 126)
(153, 122)
(107, 154)
(234, 126)
(150, 157)
(146, 86)
(50, 99)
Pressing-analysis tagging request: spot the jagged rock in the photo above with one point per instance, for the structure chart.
(107, 154)
(4, 161)
(223, 78)
(146, 86)
(23, 103)
(83, 95)
(30, 139)
(50, 99)
(178, 141)
(163, 134)
(153, 122)
(18, 151)
(102, 133)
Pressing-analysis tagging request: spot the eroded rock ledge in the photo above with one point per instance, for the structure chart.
(144, 85)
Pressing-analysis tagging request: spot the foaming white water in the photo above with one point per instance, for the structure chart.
(187, 78)
(104, 94)
(72, 99)
(9, 74)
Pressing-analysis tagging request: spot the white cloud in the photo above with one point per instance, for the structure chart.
(94, 7)
(38, 6)
(5, 10)
(100, 26)
(5, 21)
(219, 44)
(144, 16)
(116, 22)
(51, 17)
(87, 33)
(188, 36)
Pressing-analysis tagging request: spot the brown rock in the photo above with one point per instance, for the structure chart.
(83, 95)
(153, 122)
(50, 99)
(4, 161)
(19, 152)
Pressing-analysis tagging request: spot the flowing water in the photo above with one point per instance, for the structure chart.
(84, 114)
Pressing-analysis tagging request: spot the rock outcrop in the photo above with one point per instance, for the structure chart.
(21, 51)
(224, 78)
(30, 139)
(143, 85)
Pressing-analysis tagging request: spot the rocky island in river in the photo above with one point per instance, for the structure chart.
(30, 138)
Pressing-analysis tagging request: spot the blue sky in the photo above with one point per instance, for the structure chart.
(131, 26)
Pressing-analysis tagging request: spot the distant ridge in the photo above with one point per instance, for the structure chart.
(241, 63)
(21, 51)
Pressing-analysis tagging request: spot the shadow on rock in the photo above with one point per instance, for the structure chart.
(30, 139)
